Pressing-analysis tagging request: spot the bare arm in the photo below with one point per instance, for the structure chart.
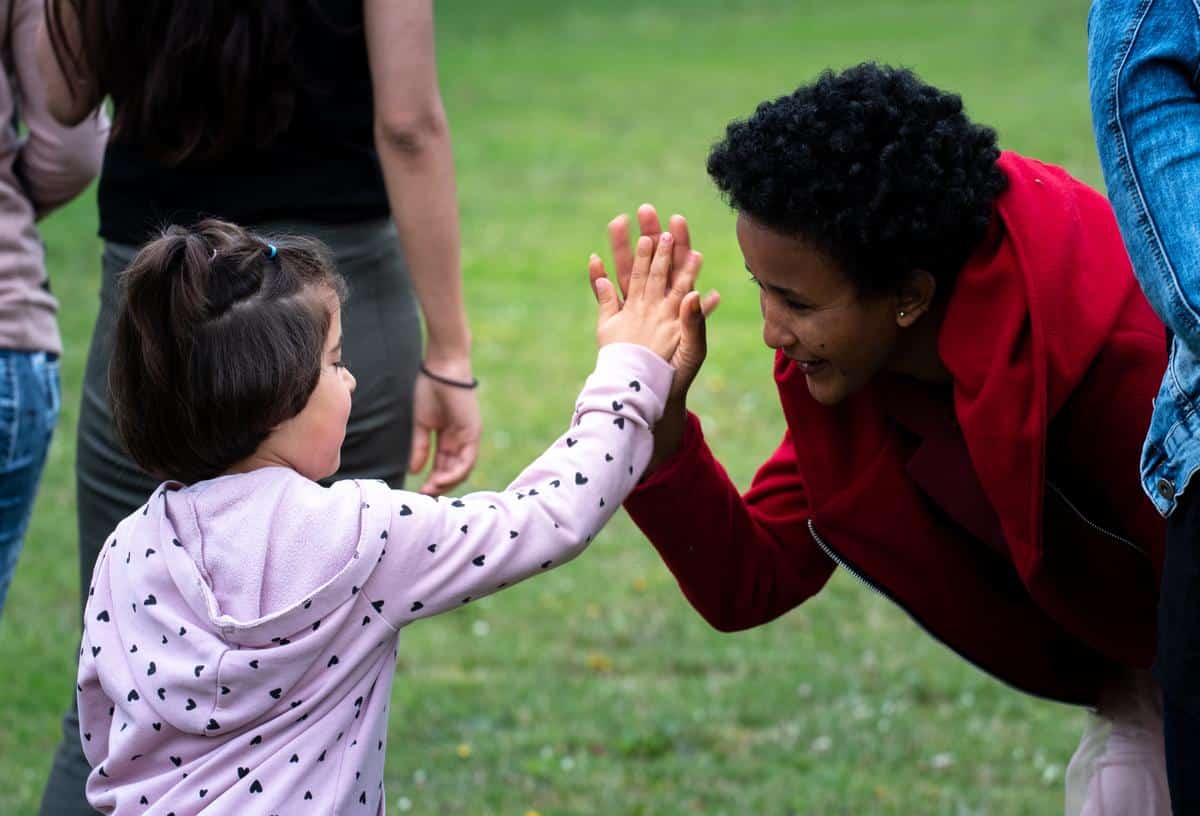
(412, 137)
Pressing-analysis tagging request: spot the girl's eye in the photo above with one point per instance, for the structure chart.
(339, 364)
(755, 281)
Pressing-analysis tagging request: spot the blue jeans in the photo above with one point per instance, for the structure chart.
(29, 403)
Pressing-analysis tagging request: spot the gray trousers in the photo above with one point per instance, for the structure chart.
(382, 346)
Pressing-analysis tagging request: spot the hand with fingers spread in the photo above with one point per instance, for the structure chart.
(680, 281)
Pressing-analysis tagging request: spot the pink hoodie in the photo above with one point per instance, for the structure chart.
(240, 634)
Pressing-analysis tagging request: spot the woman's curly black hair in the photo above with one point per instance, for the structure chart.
(880, 171)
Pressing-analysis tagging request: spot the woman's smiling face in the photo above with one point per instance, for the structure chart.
(815, 315)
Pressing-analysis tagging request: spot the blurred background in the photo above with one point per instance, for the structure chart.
(596, 688)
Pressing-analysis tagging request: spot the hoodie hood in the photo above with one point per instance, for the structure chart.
(215, 614)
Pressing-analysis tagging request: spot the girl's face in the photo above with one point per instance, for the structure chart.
(311, 441)
(813, 313)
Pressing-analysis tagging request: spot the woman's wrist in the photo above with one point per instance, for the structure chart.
(450, 362)
(668, 434)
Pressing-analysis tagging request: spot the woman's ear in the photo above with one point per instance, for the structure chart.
(914, 297)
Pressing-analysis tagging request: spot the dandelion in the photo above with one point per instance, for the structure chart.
(463, 750)
(403, 804)
(1051, 774)
(567, 763)
(639, 584)
(941, 761)
(821, 744)
(480, 628)
(598, 662)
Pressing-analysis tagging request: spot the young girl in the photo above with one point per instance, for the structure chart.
(241, 626)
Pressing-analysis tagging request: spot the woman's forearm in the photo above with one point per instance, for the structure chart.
(418, 169)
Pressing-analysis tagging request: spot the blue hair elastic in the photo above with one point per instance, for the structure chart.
(272, 252)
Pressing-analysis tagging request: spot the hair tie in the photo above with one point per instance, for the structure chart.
(271, 251)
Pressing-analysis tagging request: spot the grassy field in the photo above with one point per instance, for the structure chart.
(596, 689)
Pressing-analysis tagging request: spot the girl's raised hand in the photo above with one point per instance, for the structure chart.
(657, 297)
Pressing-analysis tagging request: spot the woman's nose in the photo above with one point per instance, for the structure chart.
(775, 332)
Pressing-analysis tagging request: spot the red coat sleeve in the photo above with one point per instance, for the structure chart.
(740, 560)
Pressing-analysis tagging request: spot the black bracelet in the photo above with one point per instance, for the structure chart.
(474, 383)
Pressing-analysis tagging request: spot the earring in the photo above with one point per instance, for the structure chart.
(902, 313)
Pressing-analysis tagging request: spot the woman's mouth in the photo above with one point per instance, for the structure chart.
(811, 366)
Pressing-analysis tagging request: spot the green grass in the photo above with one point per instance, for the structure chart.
(596, 689)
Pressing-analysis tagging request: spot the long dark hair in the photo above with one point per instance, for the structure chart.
(218, 339)
(190, 79)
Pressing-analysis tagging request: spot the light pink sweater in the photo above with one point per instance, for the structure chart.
(46, 168)
(240, 634)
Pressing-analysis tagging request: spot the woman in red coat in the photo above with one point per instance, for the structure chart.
(966, 367)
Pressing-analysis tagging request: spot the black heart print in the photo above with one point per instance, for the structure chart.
(478, 560)
(513, 534)
(276, 693)
(619, 422)
(256, 786)
(635, 385)
(333, 661)
(176, 761)
(151, 669)
(417, 605)
(242, 772)
(213, 725)
(190, 704)
(571, 442)
(580, 479)
(150, 600)
(103, 616)
(617, 406)
(405, 510)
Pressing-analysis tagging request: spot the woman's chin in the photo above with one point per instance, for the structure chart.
(825, 389)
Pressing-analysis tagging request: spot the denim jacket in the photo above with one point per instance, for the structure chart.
(1143, 63)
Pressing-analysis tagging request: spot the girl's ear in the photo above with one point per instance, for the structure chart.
(914, 297)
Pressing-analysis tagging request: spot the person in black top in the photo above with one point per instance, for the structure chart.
(321, 117)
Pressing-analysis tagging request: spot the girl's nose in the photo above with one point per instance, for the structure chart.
(353, 381)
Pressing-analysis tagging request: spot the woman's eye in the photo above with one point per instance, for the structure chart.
(796, 307)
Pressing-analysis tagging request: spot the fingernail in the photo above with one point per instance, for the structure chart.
(666, 238)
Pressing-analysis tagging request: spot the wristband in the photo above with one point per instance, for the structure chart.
(438, 378)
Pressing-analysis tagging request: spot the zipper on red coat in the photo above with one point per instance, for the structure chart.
(1091, 523)
(841, 562)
